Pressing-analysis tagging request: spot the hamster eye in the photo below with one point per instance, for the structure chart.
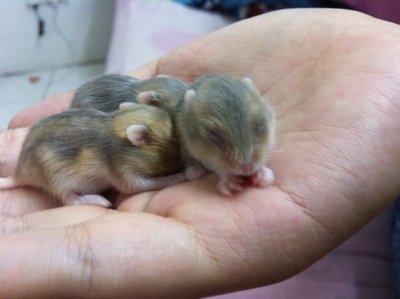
(215, 135)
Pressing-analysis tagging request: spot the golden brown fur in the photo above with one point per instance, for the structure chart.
(87, 151)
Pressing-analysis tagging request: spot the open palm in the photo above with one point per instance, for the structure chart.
(333, 78)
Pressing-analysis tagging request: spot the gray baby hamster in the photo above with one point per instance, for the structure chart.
(107, 92)
(225, 125)
(77, 154)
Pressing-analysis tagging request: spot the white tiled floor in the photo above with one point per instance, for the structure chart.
(18, 93)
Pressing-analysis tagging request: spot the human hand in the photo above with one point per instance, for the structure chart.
(333, 78)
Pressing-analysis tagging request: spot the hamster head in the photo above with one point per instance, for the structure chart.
(150, 129)
(157, 120)
(227, 125)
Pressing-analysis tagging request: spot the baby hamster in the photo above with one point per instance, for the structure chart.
(77, 154)
(106, 93)
(225, 125)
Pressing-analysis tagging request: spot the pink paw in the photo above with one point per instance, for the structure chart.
(87, 199)
(230, 183)
(195, 172)
(262, 177)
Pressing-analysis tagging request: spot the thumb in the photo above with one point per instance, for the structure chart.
(42, 109)
(10, 147)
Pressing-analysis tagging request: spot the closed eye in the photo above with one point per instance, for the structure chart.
(215, 135)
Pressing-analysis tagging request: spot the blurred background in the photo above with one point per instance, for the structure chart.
(51, 46)
(48, 47)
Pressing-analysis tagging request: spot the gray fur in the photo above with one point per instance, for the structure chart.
(226, 125)
(107, 92)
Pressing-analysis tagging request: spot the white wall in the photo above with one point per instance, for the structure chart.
(84, 32)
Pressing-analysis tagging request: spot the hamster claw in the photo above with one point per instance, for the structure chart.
(263, 177)
(230, 183)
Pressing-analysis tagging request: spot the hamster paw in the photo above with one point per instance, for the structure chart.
(262, 177)
(87, 199)
(229, 184)
(195, 172)
(127, 105)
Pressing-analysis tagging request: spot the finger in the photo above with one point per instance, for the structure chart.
(49, 217)
(17, 202)
(146, 71)
(52, 105)
(174, 200)
(136, 203)
(10, 147)
(112, 257)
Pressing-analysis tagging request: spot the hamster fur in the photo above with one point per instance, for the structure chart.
(107, 92)
(77, 154)
(225, 125)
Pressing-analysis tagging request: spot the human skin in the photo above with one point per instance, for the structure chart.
(333, 78)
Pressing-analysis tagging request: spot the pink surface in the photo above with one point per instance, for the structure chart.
(147, 29)
(166, 41)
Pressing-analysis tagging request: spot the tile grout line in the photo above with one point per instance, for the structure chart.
(54, 81)
(48, 84)
(65, 66)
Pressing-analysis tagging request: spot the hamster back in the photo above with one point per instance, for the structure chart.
(107, 92)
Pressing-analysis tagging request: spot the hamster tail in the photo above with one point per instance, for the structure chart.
(8, 183)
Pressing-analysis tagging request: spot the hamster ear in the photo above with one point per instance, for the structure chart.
(189, 95)
(248, 82)
(137, 134)
(148, 97)
(189, 100)
(127, 105)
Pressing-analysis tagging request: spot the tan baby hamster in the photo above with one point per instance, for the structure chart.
(77, 154)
